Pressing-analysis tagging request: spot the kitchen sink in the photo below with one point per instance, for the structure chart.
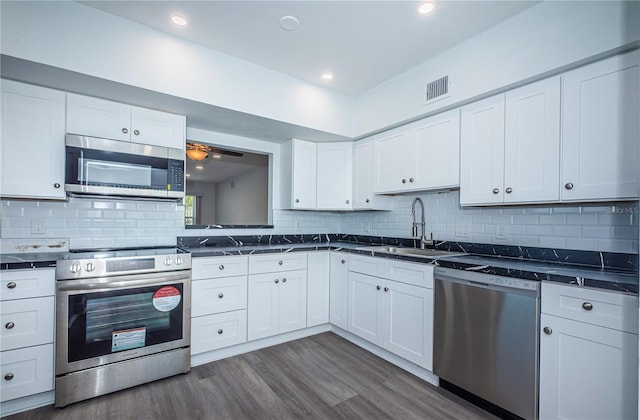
(414, 252)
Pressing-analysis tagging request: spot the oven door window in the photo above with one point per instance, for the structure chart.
(103, 323)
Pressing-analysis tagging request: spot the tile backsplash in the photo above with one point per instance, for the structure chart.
(103, 223)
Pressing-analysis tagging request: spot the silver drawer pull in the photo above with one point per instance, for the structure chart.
(496, 191)
(343, 261)
(125, 131)
(378, 287)
(284, 280)
(587, 306)
(9, 325)
(547, 330)
(568, 186)
(220, 295)
(280, 262)
(136, 132)
(8, 376)
(220, 331)
(276, 281)
(221, 267)
(11, 285)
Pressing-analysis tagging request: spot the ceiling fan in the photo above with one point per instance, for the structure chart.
(197, 151)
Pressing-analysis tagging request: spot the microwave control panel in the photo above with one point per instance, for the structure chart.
(175, 175)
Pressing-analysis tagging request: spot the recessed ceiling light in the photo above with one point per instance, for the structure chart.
(179, 20)
(200, 167)
(289, 23)
(327, 76)
(426, 7)
(216, 156)
(187, 175)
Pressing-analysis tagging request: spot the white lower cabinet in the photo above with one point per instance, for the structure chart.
(339, 289)
(317, 288)
(277, 303)
(218, 303)
(395, 315)
(588, 362)
(27, 317)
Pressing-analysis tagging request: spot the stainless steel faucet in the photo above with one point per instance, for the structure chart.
(423, 240)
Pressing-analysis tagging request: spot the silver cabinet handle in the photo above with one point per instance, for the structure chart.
(284, 280)
(378, 287)
(125, 131)
(410, 179)
(496, 191)
(404, 181)
(220, 295)
(9, 325)
(547, 330)
(220, 331)
(343, 261)
(587, 306)
(136, 132)
(11, 285)
(508, 190)
(221, 267)
(568, 186)
(56, 185)
(347, 201)
(280, 262)
(367, 200)
(386, 289)
(277, 281)
(297, 200)
(8, 376)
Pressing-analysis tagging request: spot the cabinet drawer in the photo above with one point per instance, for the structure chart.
(608, 309)
(214, 267)
(32, 370)
(372, 266)
(212, 296)
(26, 322)
(272, 263)
(420, 275)
(20, 284)
(213, 332)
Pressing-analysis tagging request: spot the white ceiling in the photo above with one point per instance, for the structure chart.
(363, 43)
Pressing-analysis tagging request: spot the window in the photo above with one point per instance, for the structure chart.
(190, 210)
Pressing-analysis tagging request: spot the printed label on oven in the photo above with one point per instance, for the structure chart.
(166, 298)
(128, 339)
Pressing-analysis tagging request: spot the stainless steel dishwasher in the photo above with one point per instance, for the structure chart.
(486, 337)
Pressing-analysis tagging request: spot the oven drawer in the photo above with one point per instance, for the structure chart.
(212, 296)
(30, 370)
(215, 267)
(272, 263)
(20, 284)
(213, 332)
(598, 307)
(26, 322)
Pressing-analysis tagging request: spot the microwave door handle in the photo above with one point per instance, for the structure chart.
(81, 177)
(70, 285)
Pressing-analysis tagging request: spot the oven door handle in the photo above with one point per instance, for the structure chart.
(71, 285)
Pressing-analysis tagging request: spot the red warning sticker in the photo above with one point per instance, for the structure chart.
(166, 298)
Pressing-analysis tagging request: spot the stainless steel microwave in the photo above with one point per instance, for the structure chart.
(95, 166)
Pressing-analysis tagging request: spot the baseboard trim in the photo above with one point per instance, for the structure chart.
(30, 402)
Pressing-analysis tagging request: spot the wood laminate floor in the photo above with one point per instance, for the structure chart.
(318, 377)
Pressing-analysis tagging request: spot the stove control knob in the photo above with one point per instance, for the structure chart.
(167, 261)
(90, 266)
(75, 268)
(178, 260)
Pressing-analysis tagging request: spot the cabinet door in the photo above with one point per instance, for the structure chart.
(363, 175)
(408, 322)
(388, 164)
(32, 370)
(293, 300)
(339, 289)
(365, 307)
(532, 143)
(482, 152)
(95, 117)
(262, 305)
(600, 130)
(587, 372)
(437, 152)
(334, 173)
(318, 288)
(158, 128)
(304, 176)
(32, 144)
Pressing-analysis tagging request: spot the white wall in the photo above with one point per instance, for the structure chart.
(206, 193)
(548, 36)
(242, 200)
(75, 37)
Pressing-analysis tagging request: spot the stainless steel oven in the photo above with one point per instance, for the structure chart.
(123, 319)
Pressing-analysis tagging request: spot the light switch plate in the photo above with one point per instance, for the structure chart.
(501, 231)
(463, 230)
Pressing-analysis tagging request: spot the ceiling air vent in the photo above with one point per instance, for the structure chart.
(437, 90)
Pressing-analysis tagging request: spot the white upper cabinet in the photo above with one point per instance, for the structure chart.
(510, 146)
(32, 145)
(100, 118)
(304, 174)
(420, 156)
(334, 182)
(600, 130)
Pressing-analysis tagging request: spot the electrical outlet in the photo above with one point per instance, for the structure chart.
(501, 231)
(463, 231)
(38, 225)
(298, 226)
